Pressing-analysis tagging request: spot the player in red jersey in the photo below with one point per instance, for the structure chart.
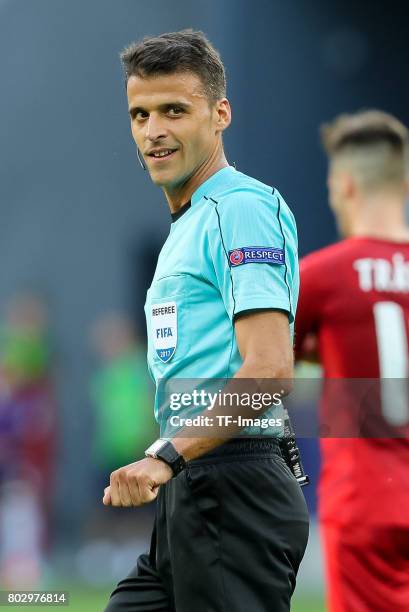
(353, 314)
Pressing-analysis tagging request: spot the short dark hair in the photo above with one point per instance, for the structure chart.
(184, 51)
(364, 128)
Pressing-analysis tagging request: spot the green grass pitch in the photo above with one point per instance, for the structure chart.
(91, 600)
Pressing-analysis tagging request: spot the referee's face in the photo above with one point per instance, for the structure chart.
(174, 126)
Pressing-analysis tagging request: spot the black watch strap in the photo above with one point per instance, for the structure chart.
(167, 453)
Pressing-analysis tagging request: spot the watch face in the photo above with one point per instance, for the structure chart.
(155, 447)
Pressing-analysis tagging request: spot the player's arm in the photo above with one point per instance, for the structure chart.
(308, 312)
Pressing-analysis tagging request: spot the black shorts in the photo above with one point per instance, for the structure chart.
(230, 532)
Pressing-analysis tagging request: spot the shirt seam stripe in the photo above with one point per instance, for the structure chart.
(285, 252)
(231, 278)
(227, 257)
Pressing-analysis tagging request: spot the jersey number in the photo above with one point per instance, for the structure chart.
(392, 341)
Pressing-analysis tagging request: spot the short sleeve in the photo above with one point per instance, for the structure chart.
(253, 246)
(312, 296)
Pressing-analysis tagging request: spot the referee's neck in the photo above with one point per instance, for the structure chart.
(182, 194)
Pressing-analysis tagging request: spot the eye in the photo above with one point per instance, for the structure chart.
(139, 115)
(175, 111)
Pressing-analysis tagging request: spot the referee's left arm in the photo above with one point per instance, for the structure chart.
(253, 249)
(265, 345)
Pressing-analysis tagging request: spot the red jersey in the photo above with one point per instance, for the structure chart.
(354, 298)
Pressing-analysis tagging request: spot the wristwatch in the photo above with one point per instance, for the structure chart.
(165, 451)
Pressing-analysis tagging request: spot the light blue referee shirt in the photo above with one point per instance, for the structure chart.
(233, 250)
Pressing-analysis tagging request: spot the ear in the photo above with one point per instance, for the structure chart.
(222, 111)
(342, 183)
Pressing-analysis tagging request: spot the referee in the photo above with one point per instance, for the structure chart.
(231, 522)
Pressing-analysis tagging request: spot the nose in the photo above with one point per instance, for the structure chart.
(155, 129)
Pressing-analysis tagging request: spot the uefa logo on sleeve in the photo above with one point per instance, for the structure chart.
(236, 257)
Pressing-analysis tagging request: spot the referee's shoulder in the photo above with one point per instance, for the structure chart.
(243, 192)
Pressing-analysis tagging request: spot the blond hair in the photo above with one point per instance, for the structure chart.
(373, 145)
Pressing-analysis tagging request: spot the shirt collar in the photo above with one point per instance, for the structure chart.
(182, 210)
(211, 183)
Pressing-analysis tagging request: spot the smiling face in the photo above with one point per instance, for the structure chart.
(175, 127)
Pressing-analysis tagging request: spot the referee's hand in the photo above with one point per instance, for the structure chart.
(137, 483)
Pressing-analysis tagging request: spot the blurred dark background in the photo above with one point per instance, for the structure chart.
(80, 222)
